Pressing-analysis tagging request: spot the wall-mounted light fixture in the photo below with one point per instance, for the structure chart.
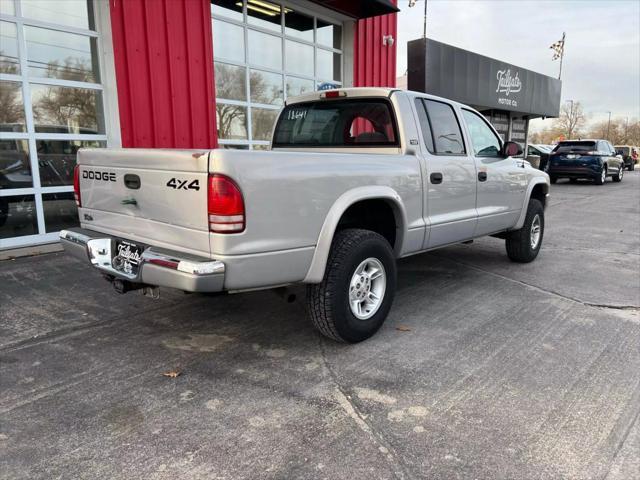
(388, 40)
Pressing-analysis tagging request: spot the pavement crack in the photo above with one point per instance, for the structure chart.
(351, 409)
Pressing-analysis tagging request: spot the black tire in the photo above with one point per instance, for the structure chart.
(328, 301)
(4, 211)
(518, 243)
(632, 167)
(618, 176)
(600, 179)
(553, 179)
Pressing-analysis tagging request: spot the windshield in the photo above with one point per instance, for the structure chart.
(358, 122)
(575, 147)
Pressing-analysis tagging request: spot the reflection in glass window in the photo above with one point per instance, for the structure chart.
(446, 130)
(73, 13)
(264, 14)
(228, 146)
(66, 109)
(15, 167)
(12, 110)
(227, 8)
(299, 58)
(67, 56)
(328, 67)
(329, 34)
(60, 211)
(262, 121)
(266, 87)
(485, 143)
(57, 159)
(18, 216)
(230, 82)
(298, 25)
(228, 41)
(7, 7)
(298, 86)
(9, 62)
(231, 121)
(265, 50)
(260, 147)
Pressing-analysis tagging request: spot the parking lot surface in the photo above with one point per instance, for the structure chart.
(484, 368)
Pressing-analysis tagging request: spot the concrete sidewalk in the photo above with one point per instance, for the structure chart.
(499, 371)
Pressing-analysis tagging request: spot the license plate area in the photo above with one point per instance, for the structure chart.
(127, 257)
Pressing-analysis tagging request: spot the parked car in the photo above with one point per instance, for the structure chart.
(627, 153)
(355, 179)
(591, 159)
(541, 151)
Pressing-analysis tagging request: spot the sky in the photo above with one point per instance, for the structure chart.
(601, 66)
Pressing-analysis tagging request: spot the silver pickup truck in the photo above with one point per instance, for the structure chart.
(355, 179)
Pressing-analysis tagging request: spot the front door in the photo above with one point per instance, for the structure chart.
(450, 177)
(501, 181)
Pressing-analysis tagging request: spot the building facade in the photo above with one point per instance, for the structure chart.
(161, 74)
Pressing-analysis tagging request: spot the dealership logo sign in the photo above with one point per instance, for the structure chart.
(508, 84)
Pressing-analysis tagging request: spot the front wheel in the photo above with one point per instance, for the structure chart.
(355, 295)
(523, 245)
(618, 176)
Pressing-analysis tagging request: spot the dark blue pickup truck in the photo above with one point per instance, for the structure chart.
(591, 159)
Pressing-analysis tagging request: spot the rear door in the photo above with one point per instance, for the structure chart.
(450, 178)
(156, 197)
(501, 181)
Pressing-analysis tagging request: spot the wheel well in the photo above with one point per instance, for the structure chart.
(539, 192)
(376, 215)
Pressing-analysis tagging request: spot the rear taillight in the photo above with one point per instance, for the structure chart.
(226, 205)
(76, 185)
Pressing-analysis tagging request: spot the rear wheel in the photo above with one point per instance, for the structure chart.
(618, 176)
(355, 295)
(553, 179)
(523, 245)
(603, 176)
(632, 167)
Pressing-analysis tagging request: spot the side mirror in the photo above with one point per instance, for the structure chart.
(511, 149)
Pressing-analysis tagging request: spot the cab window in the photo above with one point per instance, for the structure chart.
(425, 127)
(447, 137)
(484, 141)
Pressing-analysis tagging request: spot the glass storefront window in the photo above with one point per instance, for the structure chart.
(230, 81)
(18, 216)
(265, 50)
(66, 109)
(67, 56)
(264, 14)
(231, 121)
(9, 62)
(57, 159)
(12, 112)
(328, 65)
(228, 41)
(72, 13)
(266, 88)
(15, 166)
(298, 56)
(298, 25)
(7, 7)
(60, 211)
(263, 55)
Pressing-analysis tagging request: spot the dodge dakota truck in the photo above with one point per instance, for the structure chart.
(355, 178)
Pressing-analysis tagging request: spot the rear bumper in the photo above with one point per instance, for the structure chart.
(158, 267)
(567, 171)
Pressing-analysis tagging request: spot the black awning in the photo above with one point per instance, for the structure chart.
(360, 8)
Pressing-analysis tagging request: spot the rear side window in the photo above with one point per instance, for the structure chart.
(575, 147)
(447, 136)
(358, 122)
(424, 124)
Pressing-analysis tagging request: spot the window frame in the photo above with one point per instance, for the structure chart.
(283, 72)
(455, 115)
(483, 119)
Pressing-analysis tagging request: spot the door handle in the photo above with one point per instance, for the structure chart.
(436, 177)
(132, 181)
(482, 176)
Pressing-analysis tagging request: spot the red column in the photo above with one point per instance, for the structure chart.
(163, 52)
(374, 62)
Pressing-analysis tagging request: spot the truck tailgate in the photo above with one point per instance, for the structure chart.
(152, 196)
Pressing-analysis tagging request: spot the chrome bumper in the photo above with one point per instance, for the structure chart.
(158, 267)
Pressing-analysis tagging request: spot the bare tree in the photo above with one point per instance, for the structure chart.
(571, 120)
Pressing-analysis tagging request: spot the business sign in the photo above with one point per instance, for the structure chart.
(483, 82)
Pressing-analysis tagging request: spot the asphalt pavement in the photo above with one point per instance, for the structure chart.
(485, 369)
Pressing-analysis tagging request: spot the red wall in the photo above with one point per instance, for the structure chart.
(164, 70)
(375, 63)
